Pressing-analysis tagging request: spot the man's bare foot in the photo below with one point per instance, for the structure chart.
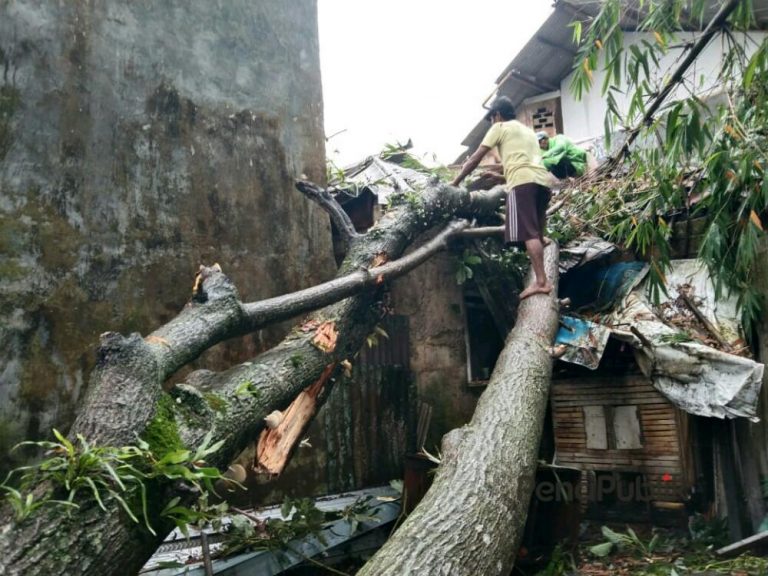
(535, 289)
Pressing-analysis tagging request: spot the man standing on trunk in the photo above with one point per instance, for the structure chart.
(528, 190)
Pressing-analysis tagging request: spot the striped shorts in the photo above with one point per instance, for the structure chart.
(526, 212)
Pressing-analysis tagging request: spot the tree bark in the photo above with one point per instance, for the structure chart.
(126, 386)
(471, 520)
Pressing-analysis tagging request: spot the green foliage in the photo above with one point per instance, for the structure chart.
(23, 505)
(507, 266)
(464, 265)
(561, 563)
(77, 471)
(397, 154)
(359, 511)
(629, 541)
(667, 553)
(373, 338)
(299, 518)
(708, 532)
(72, 473)
(676, 338)
(162, 433)
(246, 389)
(693, 159)
(216, 402)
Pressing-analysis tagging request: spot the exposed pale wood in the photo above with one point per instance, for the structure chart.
(275, 445)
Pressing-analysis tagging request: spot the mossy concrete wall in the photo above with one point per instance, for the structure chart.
(138, 140)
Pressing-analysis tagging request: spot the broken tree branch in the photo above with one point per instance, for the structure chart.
(230, 406)
(282, 307)
(328, 203)
(276, 444)
(705, 322)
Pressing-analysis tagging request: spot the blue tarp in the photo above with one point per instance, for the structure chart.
(599, 288)
(584, 341)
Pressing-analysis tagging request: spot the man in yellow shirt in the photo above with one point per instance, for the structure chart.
(528, 190)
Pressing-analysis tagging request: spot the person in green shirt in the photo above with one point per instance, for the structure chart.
(528, 190)
(561, 156)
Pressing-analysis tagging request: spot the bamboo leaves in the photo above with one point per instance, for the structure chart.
(694, 159)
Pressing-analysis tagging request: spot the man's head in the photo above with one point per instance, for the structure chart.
(501, 110)
(543, 139)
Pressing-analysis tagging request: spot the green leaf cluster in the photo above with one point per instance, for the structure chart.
(694, 158)
(77, 472)
(299, 518)
(629, 541)
(464, 264)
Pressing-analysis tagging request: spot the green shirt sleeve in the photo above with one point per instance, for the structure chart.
(561, 147)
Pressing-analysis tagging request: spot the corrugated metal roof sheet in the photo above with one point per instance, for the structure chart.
(380, 177)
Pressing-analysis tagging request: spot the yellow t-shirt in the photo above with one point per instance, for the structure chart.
(520, 153)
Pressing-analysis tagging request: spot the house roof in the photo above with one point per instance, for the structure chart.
(380, 177)
(547, 58)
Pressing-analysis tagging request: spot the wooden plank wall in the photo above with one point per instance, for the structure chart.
(660, 457)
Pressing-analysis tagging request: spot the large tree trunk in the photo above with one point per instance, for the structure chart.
(471, 520)
(126, 386)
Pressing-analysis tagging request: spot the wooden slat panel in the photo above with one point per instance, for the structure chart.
(613, 401)
(626, 428)
(595, 427)
(608, 381)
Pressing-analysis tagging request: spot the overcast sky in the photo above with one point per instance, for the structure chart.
(419, 69)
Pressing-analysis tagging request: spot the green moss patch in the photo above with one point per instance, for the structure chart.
(162, 433)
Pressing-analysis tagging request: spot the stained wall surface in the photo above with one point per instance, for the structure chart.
(139, 140)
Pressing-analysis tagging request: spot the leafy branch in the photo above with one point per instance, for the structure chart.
(692, 158)
(77, 472)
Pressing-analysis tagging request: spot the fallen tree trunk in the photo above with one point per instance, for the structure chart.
(125, 395)
(471, 520)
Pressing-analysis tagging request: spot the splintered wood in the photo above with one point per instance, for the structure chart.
(379, 259)
(157, 340)
(325, 337)
(275, 445)
(203, 273)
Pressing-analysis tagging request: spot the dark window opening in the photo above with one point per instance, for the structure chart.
(484, 344)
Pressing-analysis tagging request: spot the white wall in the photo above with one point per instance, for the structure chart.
(584, 119)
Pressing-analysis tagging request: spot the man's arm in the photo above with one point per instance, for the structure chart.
(471, 164)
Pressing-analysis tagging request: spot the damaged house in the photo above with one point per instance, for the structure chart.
(658, 408)
(654, 408)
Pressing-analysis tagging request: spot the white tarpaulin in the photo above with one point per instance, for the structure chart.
(699, 379)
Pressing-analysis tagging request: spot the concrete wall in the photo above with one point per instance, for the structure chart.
(584, 119)
(138, 140)
(433, 302)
